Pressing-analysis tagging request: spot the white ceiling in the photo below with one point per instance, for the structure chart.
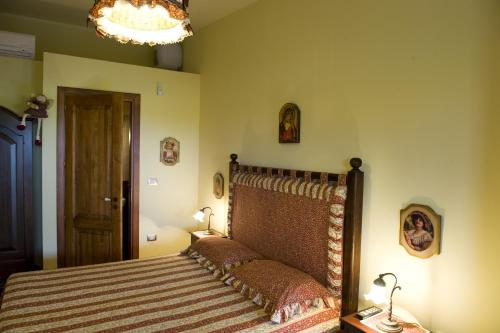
(203, 12)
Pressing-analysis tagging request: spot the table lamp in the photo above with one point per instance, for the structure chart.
(200, 216)
(377, 294)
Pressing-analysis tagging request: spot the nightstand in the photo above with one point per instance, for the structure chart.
(351, 324)
(195, 235)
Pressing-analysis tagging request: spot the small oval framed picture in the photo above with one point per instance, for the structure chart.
(420, 231)
(218, 185)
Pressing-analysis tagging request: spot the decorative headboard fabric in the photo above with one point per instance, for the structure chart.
(293, 221)
(297, 218)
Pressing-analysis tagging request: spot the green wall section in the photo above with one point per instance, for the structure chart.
(77, 41)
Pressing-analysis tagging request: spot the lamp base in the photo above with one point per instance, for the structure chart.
(208, 232)
(387, 325)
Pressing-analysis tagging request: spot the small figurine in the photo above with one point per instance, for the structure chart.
(37, 108)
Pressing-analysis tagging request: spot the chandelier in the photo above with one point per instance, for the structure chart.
(142, 21)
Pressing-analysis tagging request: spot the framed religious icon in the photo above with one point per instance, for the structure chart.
(169, 151)
(420, 231)
(218, 185)
(289, 124)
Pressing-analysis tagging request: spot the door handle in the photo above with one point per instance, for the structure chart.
(107, 199)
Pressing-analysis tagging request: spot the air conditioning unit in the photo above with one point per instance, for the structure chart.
(13, 44)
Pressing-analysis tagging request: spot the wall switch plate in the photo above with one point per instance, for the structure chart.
(153, 181)
(151, 237)
(159, 89)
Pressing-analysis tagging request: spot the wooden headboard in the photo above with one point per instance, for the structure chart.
(248, 204)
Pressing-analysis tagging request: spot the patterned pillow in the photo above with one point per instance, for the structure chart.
(220, 254)
(282, 290)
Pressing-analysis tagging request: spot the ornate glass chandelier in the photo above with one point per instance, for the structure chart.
(142, 21)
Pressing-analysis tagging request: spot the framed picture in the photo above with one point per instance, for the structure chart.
(218, 185)
(169, 151)
(289, 126)
(420, 231)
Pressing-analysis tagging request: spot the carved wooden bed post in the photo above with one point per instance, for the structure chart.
(352, 237)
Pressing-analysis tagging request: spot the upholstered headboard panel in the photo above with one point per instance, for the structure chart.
(309, 220)
(292, 220)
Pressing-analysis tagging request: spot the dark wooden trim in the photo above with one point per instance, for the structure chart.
(134, 171)
(61, 157)
(135, 160)
(352, 222)
(352, 238)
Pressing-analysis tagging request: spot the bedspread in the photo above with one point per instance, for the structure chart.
(164, 294)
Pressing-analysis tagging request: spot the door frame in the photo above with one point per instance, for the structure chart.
(135, 99)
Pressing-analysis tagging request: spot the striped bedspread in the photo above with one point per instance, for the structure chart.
(165, 294)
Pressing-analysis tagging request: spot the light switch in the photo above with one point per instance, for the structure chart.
(159, 89)
(151, 237)
(153, 181)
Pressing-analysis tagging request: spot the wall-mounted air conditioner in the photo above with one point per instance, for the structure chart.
(17, 45)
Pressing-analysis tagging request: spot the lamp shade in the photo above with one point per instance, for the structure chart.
(199, 216)
(141, 21)
(377, 294)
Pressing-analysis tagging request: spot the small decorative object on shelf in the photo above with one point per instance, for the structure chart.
(37, 108)
(169, 151)
(420, 231)
(218, 185)
(200, 217)
(289, 127)
(377, 295)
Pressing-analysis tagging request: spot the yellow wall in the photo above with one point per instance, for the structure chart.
(76, 40)
(19, 79)
(409, 86)
(165, 209)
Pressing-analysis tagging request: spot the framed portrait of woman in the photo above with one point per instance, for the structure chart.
(289, 124)
(420, 231)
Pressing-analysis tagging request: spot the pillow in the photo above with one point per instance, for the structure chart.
(220, 254)
(282, 290)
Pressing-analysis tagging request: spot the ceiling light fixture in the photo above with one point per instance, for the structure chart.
(142, 21)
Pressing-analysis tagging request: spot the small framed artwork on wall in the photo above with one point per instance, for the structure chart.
(218, 185)
(289, 124)
(420, 231)
(169, 151)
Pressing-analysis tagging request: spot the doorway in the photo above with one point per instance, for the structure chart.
(98, 176)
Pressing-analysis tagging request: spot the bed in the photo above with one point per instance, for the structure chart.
(286, 215)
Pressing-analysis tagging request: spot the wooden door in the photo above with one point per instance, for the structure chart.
(93, 178)
(16, 232)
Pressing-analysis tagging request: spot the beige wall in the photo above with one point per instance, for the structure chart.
(409, 86)
(76, 40)
(165, 209)
(19, 79)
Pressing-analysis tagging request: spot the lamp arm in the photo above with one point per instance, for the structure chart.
(209, 216)
(392, 292)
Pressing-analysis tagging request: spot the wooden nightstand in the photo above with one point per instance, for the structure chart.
(195, 235)
(351, 324)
